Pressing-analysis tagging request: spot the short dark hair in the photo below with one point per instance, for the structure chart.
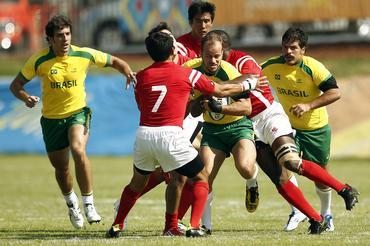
(295, 34)
(56, 23)
(159, 46)
(200, 7)
(161, 26)
(226, 41)
(209, 37)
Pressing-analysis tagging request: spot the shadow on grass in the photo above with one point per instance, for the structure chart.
(38, 234)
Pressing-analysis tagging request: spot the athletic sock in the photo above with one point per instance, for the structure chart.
(88, 199)
(252, 182)
(294, 196)
(186, 199)
(316, 173)
(325, 199)
(71, 198)
(128, 199)
(171, 221)
(200, 192)
(293, 179)
(153, 181)
(207, 213)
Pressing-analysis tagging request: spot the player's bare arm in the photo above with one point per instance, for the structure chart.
(325, 99)
(124, 68)
(251, 82)
(241, 107)
(17, 88)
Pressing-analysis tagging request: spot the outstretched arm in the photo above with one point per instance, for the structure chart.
(17, 88)
(124, 68)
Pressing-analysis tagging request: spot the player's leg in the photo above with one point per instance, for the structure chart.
(285, 151)
(129, 196)
(213, 159)
(280, 177)
(244, 153)
(55, 134)
(195, 171)
(78, 135)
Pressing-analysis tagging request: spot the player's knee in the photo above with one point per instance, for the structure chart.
(287, 156)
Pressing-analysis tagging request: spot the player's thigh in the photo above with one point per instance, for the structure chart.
(78, 129)
(210, 157)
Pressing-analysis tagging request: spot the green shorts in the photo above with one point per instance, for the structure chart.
(55, 131)
(314, 145)
(224, 137)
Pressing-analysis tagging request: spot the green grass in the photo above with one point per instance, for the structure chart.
(33, 210)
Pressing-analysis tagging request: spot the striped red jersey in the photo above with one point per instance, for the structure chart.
(247, 65)
(162, 92)
(191, 45)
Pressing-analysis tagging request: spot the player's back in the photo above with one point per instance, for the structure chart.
(162, 92)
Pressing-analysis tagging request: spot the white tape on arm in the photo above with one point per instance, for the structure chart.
(249, 84)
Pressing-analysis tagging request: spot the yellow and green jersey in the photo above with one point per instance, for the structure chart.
(63, 78)
(225, 72)
(298, 84)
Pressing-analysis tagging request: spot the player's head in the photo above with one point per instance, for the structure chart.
(294, 44)
(163, 27)
(59, 33)
(160, 46)
(201, 15)
(212, 52)
(226, 41)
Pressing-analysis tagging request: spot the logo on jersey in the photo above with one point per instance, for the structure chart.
(294, 93)
(64, 84)
(53, 71)
(277, 76)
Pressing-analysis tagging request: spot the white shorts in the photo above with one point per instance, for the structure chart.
(191, 124)
(271, 124)
(166, 146)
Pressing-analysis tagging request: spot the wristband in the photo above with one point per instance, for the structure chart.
(249, 84)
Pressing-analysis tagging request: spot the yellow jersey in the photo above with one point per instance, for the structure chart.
(298, 84)
(63, 78)
(225, 72)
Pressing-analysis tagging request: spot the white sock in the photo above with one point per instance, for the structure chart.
(89, 199)
(207, 214)
(252, 182)
(71, 198)
(295, 182)
(325, 198)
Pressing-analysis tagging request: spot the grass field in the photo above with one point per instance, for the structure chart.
(33, 211)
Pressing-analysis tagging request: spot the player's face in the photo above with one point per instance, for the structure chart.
(293, 53)
(201, 25)
(212, 56)
(61, 41)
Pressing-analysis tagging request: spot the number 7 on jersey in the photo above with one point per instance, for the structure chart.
(163, 90)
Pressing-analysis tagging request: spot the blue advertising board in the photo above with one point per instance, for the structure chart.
(115, 118)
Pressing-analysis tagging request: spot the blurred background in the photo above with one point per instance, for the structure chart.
(339, 36)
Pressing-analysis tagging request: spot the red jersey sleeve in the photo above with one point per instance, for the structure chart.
(202, 83)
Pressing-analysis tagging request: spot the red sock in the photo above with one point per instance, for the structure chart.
(171, 221)
(200, 192)
(186, 200)
(128, 199)
(294, 196)
(154, 180)
(318, 174)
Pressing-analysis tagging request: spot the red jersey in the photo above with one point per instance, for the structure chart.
(192, 45)
(182, 59)
(247, 65)
(162, 92)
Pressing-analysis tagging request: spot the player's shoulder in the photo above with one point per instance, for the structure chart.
(193, 63)
(311, 62)
(275, 60)
(77, 49)
(228, 68)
